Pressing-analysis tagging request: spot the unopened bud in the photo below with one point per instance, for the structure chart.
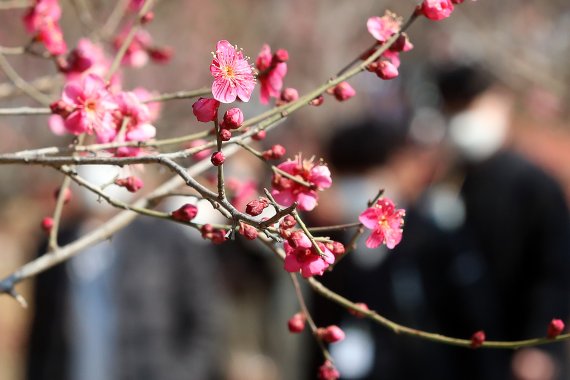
(296, 323)
(358, 314)
(259, 135)
(288, 95)
(328, 371)
(249, 232)
(225, 134)
(275, 152)
(132, 183)
(386, 70)
(47, 224)
(205, 109)
(233, 118)
(343, 91)
(185, 213)
(288, 222)
(555, 328)
(256, 206)
(331, 334)
(317, 101)
(160, 55)
(218, 158)
(281, 56)
(477, 339)
(147, 18)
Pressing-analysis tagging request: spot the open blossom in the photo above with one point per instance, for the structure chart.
(436, 9)
(87, 106)
(233, 76)
(42, 20)
(386, 223)
(301, 255)
(382, 28)
(272, 69)
(286, 191)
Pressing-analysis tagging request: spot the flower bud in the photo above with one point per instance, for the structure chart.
(555, 328)
(160, 55)
(249, 232)
(386, 70)
(233, 118)
(275, 152)
(358, 314)
(185, 213)
(331, 334)
(66, 195)
(206, 230)
(132, 183)
(317, 101)
(47, 224)
(147, 18)
(256, 206)
(218, 158)
(288, 222)
(259, 135)
(61, 108)
(205, 109)
(328, 371)
(281, 56)
(218, 236)
(288, 95)
(343, 91)
(296, 323)
(477, 339)
(225, 134)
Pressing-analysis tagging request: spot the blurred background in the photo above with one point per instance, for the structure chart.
(521, 47)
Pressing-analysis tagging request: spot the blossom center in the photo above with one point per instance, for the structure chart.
(229, 72)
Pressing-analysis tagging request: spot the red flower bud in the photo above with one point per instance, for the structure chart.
(218, 158)
(296, 323)
(233, 118)
(477, 339)
(343, 91)
(249, 232)
(218, 236)
(281, 56)
(61, 108)
(147, 18)
(288, 222)
(66, 195)
(205, 109)
(276, 152)
(288, 95)
(185, 213)
(225, 134)
(256, 206)
(358, 314)
(317, 101)
(331, 334)
(160, 55)
(47, 224)
(555, 328)
(328, 371)
(386, 70)
(259, 135)
(132, 183)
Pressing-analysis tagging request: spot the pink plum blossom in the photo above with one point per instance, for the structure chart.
(382, 28)
(436, 9)
(137, 53)
(301, 255)
(42, 20)
(286, 191)
(386, 223)
(87, 58)
(90, 105)
(233, 76)
(272, 69)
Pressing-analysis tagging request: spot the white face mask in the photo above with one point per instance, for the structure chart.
(477, 134)
(480, 131)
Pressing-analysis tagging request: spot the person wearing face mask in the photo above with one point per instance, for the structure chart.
(510, 248)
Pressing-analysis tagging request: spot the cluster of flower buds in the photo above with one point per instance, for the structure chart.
(141, 48)
(274, 153)
(247, 231)
(330, 334)
(217, 236)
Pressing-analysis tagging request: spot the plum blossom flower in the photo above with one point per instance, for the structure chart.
(382, 28)
(42, 20)
(272, 70)
(233, 76)
(301, 255)
(88, 106)
(436, 9)
(386, 223)
(137, 53)
(286, 191)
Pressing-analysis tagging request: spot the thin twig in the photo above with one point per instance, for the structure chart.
(22, 84)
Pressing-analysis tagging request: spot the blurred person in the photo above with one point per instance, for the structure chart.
(142, 305)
